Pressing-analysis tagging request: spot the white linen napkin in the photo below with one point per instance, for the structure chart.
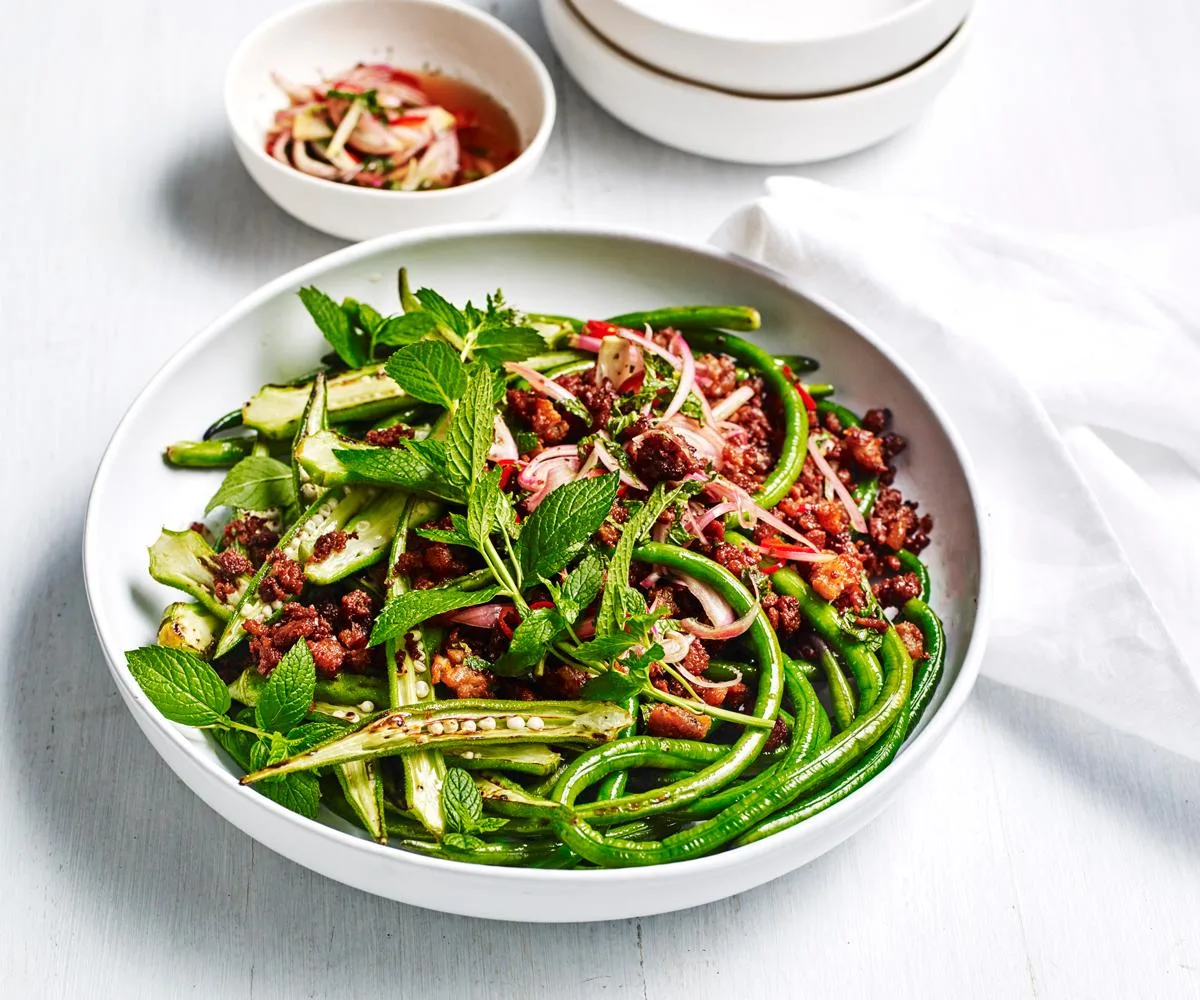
(1077, 392)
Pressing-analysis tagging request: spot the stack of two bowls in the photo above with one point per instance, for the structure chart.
(762, 81)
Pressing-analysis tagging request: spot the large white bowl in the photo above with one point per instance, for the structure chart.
(326, 36)
(782, 48)
(268, 337)
(738, 127)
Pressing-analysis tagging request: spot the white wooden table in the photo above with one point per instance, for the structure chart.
(1039, 854)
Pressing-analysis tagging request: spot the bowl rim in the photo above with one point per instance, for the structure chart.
(931, 63)
(533, 148)
(913, 8)
(910, 755)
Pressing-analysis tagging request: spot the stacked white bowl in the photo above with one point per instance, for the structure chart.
(762, 81)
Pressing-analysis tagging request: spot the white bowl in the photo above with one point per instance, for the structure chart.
(268, 337)
(740, 128)
(784, 49)
(326, 36)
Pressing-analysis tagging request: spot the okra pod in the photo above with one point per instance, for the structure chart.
(216, 454)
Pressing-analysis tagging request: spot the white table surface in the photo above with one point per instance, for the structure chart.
(1038, 855)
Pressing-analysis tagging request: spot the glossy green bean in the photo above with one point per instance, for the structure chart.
(742, 318)
(841, 697)
(912, 564)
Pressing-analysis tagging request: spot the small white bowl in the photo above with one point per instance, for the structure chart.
(783, 49)
(586, 272)
(326, 36)
(737, 127)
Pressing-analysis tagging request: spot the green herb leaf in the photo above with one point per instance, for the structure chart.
(489, 824)
(429, 371)
(332, 321)
(581, 587)
(461, 801)
(288, 693)
(299, 791)
(408, 610)
(257, 482)
(237, 744)
(612, 685)
(181, 686)
(604, 650)
(403, 466)
(483, 508)
(313, 734)
(442, 311)
(405, 328)
(530, 642)
(495, 345)
(563, 522)
(469, 438)
(462, 842)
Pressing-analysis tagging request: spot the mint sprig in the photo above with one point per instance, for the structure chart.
(183, 687)
(429, 371)
(257, 482)
(288, 693)
(335, 324)
(563, 522)
(406, 611)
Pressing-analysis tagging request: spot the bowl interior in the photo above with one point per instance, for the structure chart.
(269, 337)
(310, 42)
(767, 21)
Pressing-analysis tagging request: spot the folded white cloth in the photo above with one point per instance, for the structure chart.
(1077, 392)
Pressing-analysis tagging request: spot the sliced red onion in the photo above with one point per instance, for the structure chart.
(557, 474)
(687, 376)
(504, 447)
(618, 361)
(480, 616)
(372, 137)
(279, 148)
(725, 490)
(795, 553)
(730, 431)
(675, 646)
(585, 342)
(730, 631)
(314, 168)
(613, 465)
(533, 476)
(586, 628)
(710, 515)
(659, 532)
(437, 166)
(347, 125)
(705, 444)
(727, 407)
(704, 682)
(589, 464)
(297, 93)
(716, 608)
(642, 341)
(539, 383)
(857, 521)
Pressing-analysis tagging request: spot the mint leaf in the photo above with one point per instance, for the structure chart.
(483, 508)
(405, 328)
(609, 686)
(555, 532)
(405, 611)
(313, 734)
(288, 693)
(604, 650)
(530, 642)
(469, 438)
(581, 587)
(489, 824)
(181, 686)
(461, 801)
(402, 466)
(449, 537)
(237, 744)
(299, 791)
(462, 841)
(429, 371)
(257, 482)
(332, 321)
(495, 345)
(442, 311)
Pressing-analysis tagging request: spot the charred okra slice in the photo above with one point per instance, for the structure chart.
(463, 725)
(220, 454)
(185, 561)
(532, 759)
(276, 411)
(189, 627)
(372, 530)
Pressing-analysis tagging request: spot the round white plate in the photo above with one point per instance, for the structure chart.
(269, 337)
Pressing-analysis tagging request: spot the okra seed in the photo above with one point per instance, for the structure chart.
(469, 726)
(535, 722)
(487, 722)
(469, 755)
(366, 706)
(422, 689)
(451, 726)
(339, 713)
(515, 722)
(436, 728)
(350, 715)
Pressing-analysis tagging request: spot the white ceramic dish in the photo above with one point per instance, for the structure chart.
(329, 35)
(268, 337)
(781, 49)
(736, 127)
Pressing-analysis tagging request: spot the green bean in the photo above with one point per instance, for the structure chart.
(765, 647)
(800, 364)
(847, 418)
(557, 359)
(793, 449)
(912, 564)
(570, 368)
(613, 787)
(819, 390)
(550, 319)
(742, 318)
(923, 690)
(220, 454)
(224, 423)
(840, 695)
